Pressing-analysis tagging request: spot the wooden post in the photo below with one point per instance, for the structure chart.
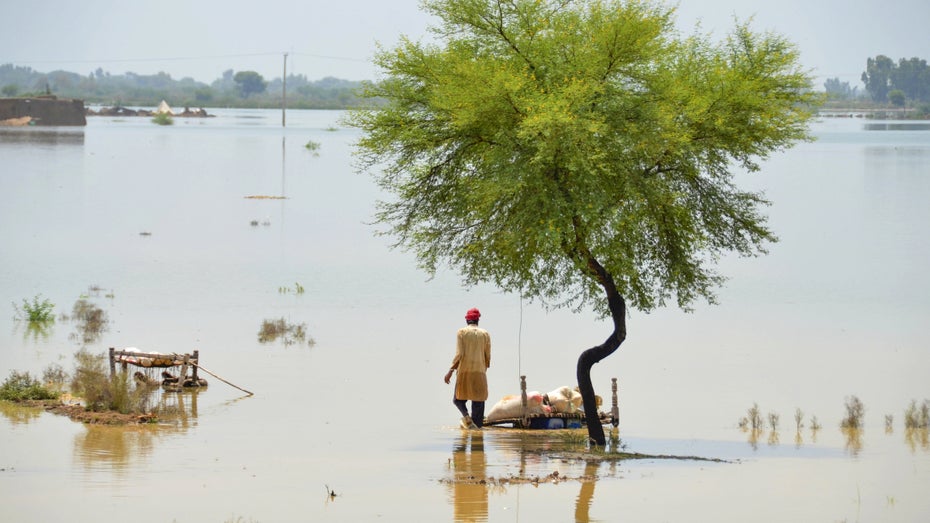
(196, 362)
(284, 91)
(524, 417)
(184, 365)
(112, 362)
(615, 408)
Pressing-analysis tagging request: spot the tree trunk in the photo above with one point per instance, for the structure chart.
(588, 358)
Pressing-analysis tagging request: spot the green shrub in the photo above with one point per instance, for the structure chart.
(163, 119)
(20, 386)
(38, 311)
(101, 391)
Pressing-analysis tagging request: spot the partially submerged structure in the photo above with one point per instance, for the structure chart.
(532, 410)
(44, 110)
(156, 360)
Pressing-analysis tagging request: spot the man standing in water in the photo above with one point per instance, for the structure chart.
(472, 359)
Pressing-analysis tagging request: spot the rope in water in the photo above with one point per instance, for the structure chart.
(520, 341)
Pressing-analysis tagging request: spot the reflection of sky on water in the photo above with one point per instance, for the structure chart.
(837, 308)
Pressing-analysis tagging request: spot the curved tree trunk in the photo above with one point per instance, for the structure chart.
(588, 358)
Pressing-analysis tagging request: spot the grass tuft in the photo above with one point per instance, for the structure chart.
(37, 311)
(855, 411)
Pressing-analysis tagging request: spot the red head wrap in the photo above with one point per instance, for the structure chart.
(472, 315)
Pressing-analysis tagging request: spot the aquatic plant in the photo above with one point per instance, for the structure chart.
(574, 438)
(37, 311)
(95, 289)
(298, 289)
(755, 417)
(855, 410)
(798, 419)
(917, 418)
(313, 147)
(289, 333)
(889, 422)
(239, 519)
(773, 421)
(163, 119)
(815, 425)
(20, 386)
(100, 391)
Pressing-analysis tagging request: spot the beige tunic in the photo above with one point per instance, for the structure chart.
(472, 359)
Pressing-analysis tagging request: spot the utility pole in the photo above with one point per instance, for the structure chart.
(284, 91)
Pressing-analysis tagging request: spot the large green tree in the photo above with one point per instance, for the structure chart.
(579, 152)
(912, 76)
(877, 77)
(249, 82)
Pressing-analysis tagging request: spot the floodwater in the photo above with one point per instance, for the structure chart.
(152, 225)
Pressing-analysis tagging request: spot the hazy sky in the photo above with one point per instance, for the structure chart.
(202, 38)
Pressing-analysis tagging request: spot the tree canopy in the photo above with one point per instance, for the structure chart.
(579, 152)
(249, 82)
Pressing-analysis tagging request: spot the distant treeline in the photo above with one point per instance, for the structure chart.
(905, 83)
(233, 89)
(902, 84)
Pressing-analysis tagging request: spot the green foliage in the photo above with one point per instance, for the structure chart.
(163, 119)
(249, 82)
(877, 77)
(837, 90)
(911, 76)
(896, 97)
(37, 311)
(298, 289)
(90, 380)
(100, 391)
(20, 386)
(313, 147)
(554, 148)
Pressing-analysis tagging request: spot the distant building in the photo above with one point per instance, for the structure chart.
(42, 110)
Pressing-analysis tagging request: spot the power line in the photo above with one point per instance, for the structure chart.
(184, 58)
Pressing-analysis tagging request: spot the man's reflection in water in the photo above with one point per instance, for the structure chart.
(470, 489)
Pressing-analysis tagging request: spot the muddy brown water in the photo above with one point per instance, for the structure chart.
(837, 308)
